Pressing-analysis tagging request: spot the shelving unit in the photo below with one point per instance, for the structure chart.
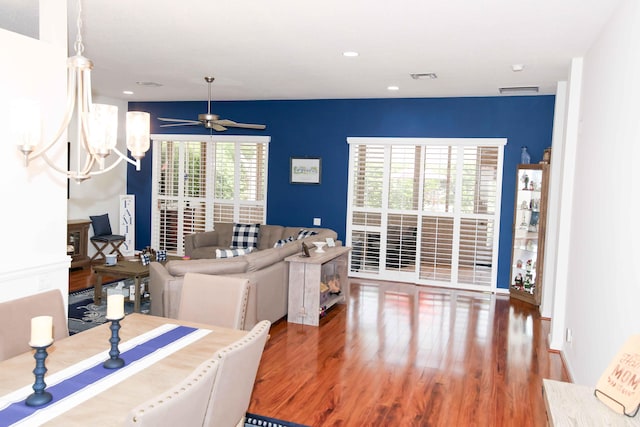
(529, 222)
(308, 299)
(78, 238)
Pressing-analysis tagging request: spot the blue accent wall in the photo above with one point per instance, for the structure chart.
(319, 128)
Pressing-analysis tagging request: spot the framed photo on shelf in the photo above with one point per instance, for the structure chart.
(305, 170)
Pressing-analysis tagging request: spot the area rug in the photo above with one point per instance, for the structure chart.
(258, 420)
(84, 314)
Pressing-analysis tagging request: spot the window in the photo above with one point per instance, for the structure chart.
(424, 210)
(201, 180)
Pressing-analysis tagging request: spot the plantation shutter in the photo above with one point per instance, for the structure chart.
(197, 183)
(425, 210)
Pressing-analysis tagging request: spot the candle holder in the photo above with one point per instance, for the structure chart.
(115, 361)
(39, 396)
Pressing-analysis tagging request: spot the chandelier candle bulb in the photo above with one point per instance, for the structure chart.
(41, 331)
(115, 307)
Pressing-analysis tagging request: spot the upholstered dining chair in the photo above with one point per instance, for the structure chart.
(232, 388)
(15, 316)
(214, 300)
(183, 405)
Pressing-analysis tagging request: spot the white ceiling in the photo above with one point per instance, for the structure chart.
(292, 49)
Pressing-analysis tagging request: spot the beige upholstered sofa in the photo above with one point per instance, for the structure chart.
(265, 268)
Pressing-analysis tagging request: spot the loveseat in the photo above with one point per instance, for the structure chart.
(265, 268)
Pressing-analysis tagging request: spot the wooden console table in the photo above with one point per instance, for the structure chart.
(305, 275)
(571, 404)
(78, 238)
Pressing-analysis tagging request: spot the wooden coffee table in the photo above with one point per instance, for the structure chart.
(124, 268)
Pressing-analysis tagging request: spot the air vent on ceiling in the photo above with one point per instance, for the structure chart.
(423, 76)
(519, 90)
(148, 84)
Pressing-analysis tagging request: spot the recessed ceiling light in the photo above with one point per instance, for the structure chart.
(423, 76)
(393, 88)
(517, 67)
(127, 92)
(350, 53)
(148, 84)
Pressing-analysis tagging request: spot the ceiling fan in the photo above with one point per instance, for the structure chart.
(210, 121)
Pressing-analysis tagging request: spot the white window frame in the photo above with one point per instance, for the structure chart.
(157, 139)
(413, 276)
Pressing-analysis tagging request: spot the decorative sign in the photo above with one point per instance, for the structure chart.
(128, 224)
(619, 385)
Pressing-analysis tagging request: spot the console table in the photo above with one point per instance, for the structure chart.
(571, 404)
(305, 275)
(78, 238)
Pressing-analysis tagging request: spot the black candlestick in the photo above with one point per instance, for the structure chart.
(39, 396)
(115, 361)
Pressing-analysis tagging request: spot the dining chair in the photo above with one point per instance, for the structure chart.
(15, 316)
(233, 385)
(214, 300)
(185, 404)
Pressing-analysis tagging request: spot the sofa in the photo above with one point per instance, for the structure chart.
(265, 267)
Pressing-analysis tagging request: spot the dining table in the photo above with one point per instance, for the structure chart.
(158, 353)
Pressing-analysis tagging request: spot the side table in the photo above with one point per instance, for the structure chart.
(305, 275)
(571, 404)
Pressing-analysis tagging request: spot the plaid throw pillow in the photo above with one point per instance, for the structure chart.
(305, 233)
(230, 253)
(245, 235)
(283, 242)
(145, 259)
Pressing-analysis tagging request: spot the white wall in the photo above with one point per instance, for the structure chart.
(34, 214)
(602, 291)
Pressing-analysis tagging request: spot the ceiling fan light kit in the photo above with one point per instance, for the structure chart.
(208, 120)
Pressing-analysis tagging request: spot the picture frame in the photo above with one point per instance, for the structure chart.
(305, 170)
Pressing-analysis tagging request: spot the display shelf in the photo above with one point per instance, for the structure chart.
(529, 220)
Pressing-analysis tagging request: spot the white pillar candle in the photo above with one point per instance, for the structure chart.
(115, 306)
(41, 331)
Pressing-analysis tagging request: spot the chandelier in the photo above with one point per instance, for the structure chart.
(97, 124)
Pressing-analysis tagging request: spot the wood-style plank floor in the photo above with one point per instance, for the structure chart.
(405, 355)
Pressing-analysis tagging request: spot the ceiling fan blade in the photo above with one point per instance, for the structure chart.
(164, 119)
(180, 124)
(232, 124)
(217, 127)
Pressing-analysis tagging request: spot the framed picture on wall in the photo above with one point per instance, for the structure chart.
(305, 170)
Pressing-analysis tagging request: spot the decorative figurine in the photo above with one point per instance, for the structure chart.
(525, 158)
(525, 179)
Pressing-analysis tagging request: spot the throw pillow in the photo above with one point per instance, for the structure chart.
(245, 235)
(230, 253)
(305, 233)
(101, 225)
(283, 242)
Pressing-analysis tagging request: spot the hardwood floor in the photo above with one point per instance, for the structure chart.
(404, 355)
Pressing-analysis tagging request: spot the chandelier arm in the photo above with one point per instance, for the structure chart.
(71, 81)
(76, 175)
(135, 162)
(110, 167)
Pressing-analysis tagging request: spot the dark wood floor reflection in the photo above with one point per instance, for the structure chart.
(403, 355)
